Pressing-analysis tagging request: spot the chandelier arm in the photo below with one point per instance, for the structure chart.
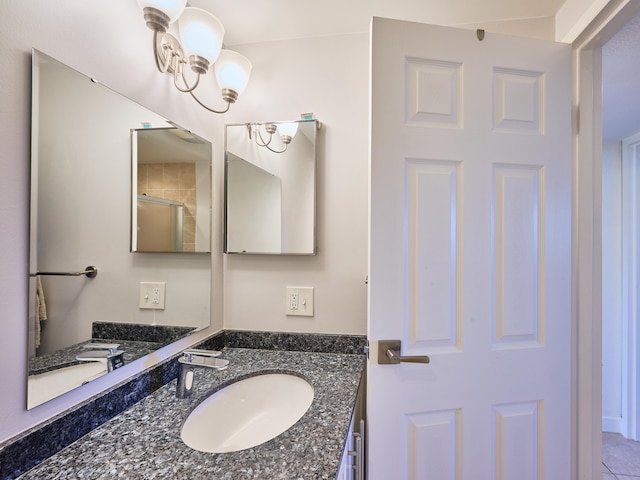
(276, 151)
(179, 72)
(208, 108)
(162, 65)
(263, 144)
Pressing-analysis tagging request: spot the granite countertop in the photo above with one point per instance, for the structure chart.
(144, 441)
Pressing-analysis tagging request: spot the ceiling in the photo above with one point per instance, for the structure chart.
(253, 21)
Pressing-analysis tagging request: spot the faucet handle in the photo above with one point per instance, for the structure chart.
(94, 354)
(200, 361)
(192, 358)
(110, 347)
(110, 358)
(201, 352)
(203, 358)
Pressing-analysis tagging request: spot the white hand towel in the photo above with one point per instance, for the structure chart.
(41, 309)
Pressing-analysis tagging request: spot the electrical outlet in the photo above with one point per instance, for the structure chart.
(299, 301)
(152, 295)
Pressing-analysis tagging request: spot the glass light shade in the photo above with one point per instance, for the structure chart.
(200, 33)
(290, 129)
(232, 71)
(171, 8)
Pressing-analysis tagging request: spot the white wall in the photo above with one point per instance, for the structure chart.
(611, 286)
(253, 208)
(329, 77)
(88, 36)
(109, 41)
(542, 28)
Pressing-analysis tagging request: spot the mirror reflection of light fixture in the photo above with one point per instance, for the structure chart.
(200, 45)
(286, 130)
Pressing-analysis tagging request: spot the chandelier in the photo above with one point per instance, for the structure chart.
(199, 46)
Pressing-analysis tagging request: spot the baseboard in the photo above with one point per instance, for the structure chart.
(612, 424)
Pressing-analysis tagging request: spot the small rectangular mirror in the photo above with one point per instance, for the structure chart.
(171, 185)
(270, 188)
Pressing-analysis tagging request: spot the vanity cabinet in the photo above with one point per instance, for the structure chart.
(353, 463)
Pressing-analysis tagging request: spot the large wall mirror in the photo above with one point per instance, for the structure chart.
(270, 188)
(85, 284)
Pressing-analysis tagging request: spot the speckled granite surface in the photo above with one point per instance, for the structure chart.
(67, 356)
(297, 342)
(163, 334)
(144, 441)
(32, 446)
(135, 340)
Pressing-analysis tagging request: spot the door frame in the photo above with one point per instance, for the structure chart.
(630, 282)
(587, 237)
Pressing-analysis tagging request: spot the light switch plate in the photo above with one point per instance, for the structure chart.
(152, 295)
(299, 301)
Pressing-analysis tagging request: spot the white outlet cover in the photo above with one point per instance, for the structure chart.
(152, 295)
(299, 301)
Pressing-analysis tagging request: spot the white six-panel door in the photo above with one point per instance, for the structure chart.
(470, 255)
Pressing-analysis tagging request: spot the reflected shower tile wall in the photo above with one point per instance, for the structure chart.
(177, 182)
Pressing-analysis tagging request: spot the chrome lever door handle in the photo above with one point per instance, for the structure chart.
(395, 357)
(389, 354)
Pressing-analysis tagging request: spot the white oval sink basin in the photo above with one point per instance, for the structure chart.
(247, 413)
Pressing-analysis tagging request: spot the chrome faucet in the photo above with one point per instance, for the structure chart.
(106, 353)
(187, 364)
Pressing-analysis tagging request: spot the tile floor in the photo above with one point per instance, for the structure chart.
(620, 458)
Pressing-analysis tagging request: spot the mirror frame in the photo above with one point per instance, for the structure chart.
(202, 221)
(261, 176)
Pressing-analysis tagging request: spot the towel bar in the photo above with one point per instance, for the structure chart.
(89, 271)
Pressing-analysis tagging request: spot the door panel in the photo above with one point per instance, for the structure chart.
(432, 239)
(518, 256)
(470, 250)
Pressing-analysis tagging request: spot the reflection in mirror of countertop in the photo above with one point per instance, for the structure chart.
(135, 340)
(144, 440)
(67, 356)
